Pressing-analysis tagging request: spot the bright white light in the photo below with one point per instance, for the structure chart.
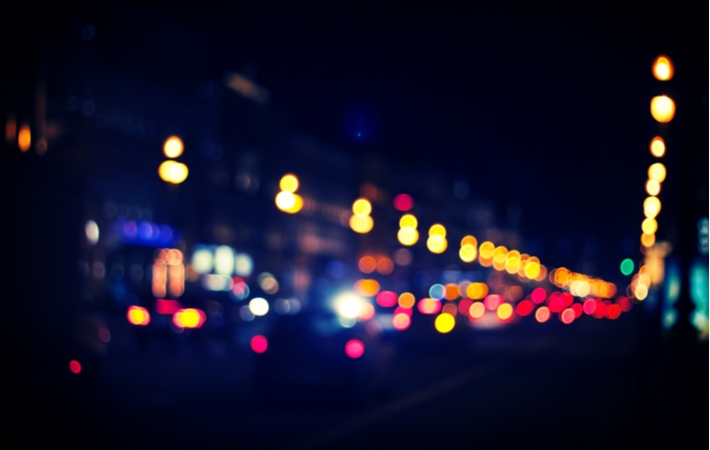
(202, 261)
(213, 282)
(349, 305)
(259, 306)
(224, 260)
(243, 265)
(92, 232)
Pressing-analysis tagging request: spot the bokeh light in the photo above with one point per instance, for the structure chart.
(75, 366)
(437, 230)
(464, 306)
(354, 348)
(403, 202)
(589, 306)
(567, 316)
(647, 240)
(401, 321)
(173, 172)
(361, 224)
(138, 315)
(403, 257)
(476, 310)
(451, 291)
(504, 311)
(524, 308)
(289, 202)
(24, 138)
(651, 207)
(641, 292)
(486, 250)
(450, 308)
(662, 108)
(386, 299)
(648, 226)
(657, 171)
(367, 311)
(406, 300)
(259, 344)
(437, 291)
(627, 266)
(515, 293)
(436, 244)
(663, 68)
(91, 230)
(542, 314)
(492, 301)
(538, 295)
(613, 312)
(407, 236)
(349, 305)
(468, 253)
(658, 147)
(408, 220)
(259, 306)
(367, 288)
(289, 183)
(367, 264)
(429, 306)
(444, 323)
(173, 147)
(477, 291)
(189, 318)
(653, 187)
(362, 207)
(385, 266)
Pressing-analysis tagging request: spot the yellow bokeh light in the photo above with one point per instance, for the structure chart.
(543, 273)
(24, 138)
(477, 291)
(512, 262)
(288, 183)
(504, 311)
(406, 300)
(289, 202)
(649, 226)
(653, 187)
(467, 253)
(408, 220)
(641, 292)
(500, 254)
(367, 288)
(647, 240)
(407, 236)
(657, 171)
(532, 270)
(658, 147)
(469, 240)
(437, 230)
(173, 172)
(485, 262)
(486, 250)
(663, 68)
(361, 224)
(172, 148)
(651, 207)
(662, 108)
(436, 244)
(362, 207)
(444, 323)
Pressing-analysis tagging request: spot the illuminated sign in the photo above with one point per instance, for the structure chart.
(146, 233)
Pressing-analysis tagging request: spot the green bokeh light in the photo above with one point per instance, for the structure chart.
(627, 266)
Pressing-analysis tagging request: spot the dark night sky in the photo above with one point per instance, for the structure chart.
(565, 93)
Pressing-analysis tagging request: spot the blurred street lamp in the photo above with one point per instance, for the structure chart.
(173, 147)
(173, 172)
(662, 108)
(663, 68)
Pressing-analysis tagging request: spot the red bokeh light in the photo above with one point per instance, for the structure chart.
(600, 310)
(259, 344)
(492, 302)
(386, 299)
(403, 202)
(567, 299)
(400, 310)
(75, 366)
(525, 308)
(163, 306)
(354, 348)
(538, 295)
(578, 309)
(465, 306)
(613, 312)
(625, 303)
(556, 303)
(567, 316)
(590, 305)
